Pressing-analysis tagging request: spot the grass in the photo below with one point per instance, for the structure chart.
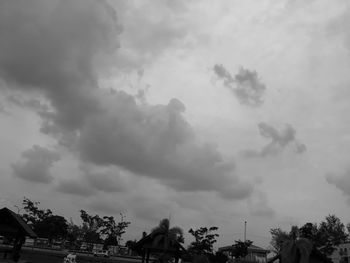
(34, 256)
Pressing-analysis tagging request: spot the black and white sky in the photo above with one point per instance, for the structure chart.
(210, 112)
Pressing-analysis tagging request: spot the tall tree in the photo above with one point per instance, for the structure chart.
(331, 234)
(325, 236)
(44, 222)
(113, 231)
(205, 238)
(91, 222)
(278, 236)
(166, 235)
(91, 227)
(74, 235)
(310, 231)
(33, 214)
(52, 227)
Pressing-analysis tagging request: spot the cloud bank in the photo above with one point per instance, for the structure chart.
(58, 50)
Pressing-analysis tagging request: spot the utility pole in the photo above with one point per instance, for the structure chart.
(245, 231)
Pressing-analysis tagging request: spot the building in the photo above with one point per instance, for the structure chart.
(255, 253)
(341, 254)
(13, 227)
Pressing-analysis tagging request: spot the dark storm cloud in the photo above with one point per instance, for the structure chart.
(280, 139)
(58, 48)
(156, 141)
(36, 165)
(52, 46)
(245, 85)
(92, 180)
(342, 182)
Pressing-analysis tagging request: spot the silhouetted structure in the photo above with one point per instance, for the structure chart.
(300, 251)
(148, 245)
(255, 253)
(13, 227)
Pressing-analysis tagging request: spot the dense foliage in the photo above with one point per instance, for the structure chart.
(44, 222)
(94, 229)
(325, 236)
(205, 238)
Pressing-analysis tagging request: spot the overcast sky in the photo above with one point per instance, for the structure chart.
(207, 112)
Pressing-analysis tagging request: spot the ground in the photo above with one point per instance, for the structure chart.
(29, 255)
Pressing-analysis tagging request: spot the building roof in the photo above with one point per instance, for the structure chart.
(251, 248)
(258, 249)
(12, 223)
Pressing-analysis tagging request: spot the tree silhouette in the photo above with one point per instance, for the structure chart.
(204, 240)
(165, 236)
(91, 227)
(52, 227)
(44, 222)
(33, 214)
(278, 236)
(325, 237)
(112, 230)
(330, 233)
(240, 248)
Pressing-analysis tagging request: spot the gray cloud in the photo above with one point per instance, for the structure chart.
(3, 109)
(150, 29)
(58, 48)
(280, 139)
(156, 141)
(337, 27)
(52, 46)
(75, 187)
(245, 85)
(104, 179)
(152, 209)
(259, 206)
(107, 206)
(37, 164)
(33, 104)
(342, 182)
(300, 147)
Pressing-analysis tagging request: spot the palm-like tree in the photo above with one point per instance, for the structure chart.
(297, 251)
(166, 236)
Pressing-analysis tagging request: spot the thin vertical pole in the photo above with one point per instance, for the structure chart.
(245, 231)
